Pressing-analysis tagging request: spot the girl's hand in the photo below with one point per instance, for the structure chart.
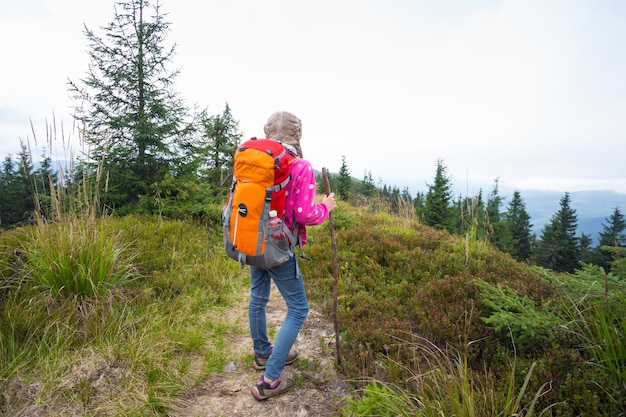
(330, 201)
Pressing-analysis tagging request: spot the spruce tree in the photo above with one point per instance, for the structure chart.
(17, 192)
(220, 138)
(500, 234)
(11, 211)
(344, 181)
(394, 199)
(368, 188)
(465, 216)
(612, 235)
(613, 230)
(131, 114)
(586, 250)
(558, 248)
(45, 178)
(438, 206)
(418, 203)
(519, 226)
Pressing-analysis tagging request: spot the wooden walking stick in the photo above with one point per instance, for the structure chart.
(335, 268)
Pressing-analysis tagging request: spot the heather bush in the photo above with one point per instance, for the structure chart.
(398, 277)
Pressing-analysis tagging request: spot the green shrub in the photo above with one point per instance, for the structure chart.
(516, 318)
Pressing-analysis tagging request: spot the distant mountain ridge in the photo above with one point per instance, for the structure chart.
(592, 208)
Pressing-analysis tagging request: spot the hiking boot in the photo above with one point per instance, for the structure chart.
(261, 360)
(263, 390)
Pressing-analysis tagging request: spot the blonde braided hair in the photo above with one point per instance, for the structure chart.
(284, 127)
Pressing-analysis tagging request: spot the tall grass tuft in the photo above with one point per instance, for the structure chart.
(68, 251)
(601, 324)
(76, 258)
(605, 329)
(443, 384)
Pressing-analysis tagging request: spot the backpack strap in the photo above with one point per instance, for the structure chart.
(241, 258)
(278, 187)
(299, 243)
(292, 236)
(280, 156)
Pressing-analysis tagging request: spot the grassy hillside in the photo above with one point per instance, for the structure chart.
(121, 316)
(133, 348)
(449, 323)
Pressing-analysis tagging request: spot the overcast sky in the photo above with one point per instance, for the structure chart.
(530, 92)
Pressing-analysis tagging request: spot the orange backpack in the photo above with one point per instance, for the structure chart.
(261, 172)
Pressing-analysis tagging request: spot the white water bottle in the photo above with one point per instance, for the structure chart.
(275, 226)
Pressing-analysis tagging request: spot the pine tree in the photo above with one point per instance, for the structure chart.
(558, 247)
(470, 216)
(45, 178)
(132, 116)
(418, 203)
(437, 208)
(17, 189)
(383, 190)
(395, 199)
(221, 136)
(518, 223)
(613, 230)
(367, 188)
(586, 250)
(500, 234)
(612, 235)
(7, 200)
(344, 181)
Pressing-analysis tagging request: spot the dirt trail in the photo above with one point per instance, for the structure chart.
(318, 390)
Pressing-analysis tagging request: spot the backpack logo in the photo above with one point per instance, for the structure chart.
(242, 210)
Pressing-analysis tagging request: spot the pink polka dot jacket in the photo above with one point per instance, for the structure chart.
(300, 203)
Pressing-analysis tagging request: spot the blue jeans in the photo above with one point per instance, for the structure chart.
(288, 279)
